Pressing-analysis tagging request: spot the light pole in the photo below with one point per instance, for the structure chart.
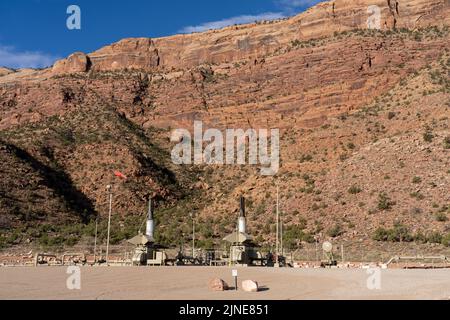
(192, 215)
(109, 189)
(281, 236)
(95, 241)
(316, 238)
(278, 222)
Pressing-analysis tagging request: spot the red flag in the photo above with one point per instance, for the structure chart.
(120, 175)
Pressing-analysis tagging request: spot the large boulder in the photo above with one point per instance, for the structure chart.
(76, 62)
(217, 284)
(250, 286)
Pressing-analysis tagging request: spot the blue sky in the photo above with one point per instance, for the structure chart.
(33, 33)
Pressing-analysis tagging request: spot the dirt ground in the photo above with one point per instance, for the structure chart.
(191, 283)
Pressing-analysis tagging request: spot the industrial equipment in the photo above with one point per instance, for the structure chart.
(328, 260)
(147, 252)
(243, 251)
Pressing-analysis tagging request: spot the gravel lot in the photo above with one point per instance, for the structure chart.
(177, 283)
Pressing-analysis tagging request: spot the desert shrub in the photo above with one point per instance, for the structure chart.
(441, 217)
(417, 180)
(446, 240)
(447, 142)
(354, 189)
(416, 210)
(205, 244)
(417, 36)
(399, 233)
(305, 158)
(435, 237)
(335, 231)
(421, 238)
(384, 202)
(295, 234)
(296, 43)
(381, 234)
(428, 136)
(417, 195)
(207, 74)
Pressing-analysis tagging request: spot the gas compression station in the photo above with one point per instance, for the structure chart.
(242, 250)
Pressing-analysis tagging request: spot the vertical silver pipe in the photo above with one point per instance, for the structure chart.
(150, 226)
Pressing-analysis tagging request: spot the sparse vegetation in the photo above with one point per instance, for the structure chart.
(428, 136)
(399, 233)
(384, 202)
(447, 142)
(417, 195)
(295, 234)
(417, 180)
(354, 189)
(335, 231)
(305, 158)
(441, 217)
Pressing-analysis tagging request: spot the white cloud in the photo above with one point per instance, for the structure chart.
(11, 58)
(287, 8)
(232, 21)
(292, 4)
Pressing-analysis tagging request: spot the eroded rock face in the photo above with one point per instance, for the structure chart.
(139, 53)
(76, 62)
(235, 43)
(301, 84)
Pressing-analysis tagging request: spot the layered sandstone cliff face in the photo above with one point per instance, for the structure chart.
(352, 104)
(253, 41)
(304, 82)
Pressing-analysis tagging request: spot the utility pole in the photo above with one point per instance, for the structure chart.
(193, 234)
(109, 188)
(317, 249)
(281, 236)
(278, 221)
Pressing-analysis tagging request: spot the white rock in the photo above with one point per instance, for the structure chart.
(250, 286)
